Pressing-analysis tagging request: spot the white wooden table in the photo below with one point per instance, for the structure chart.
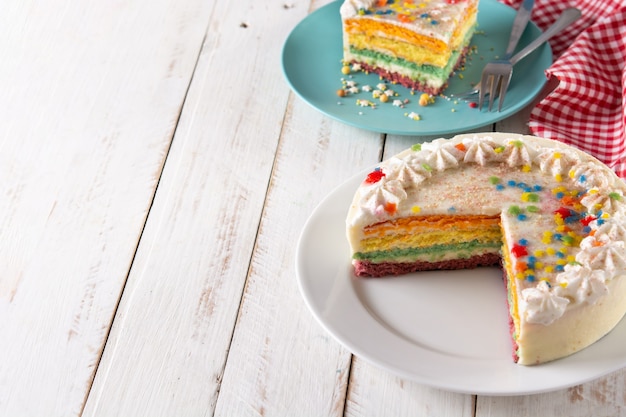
(155, 174)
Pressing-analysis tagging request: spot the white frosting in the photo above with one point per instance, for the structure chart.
(411, 170)
(559, 165)
(350, 8)
(480, 151)
(443, 157)
(517, 154)
(581, 285)
(614, 230)
(590, 174)
(602, 253)
(379, 195)
(608, 203)
(541, 305)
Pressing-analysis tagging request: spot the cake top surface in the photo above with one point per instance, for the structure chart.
(563, 212)
(436, 18)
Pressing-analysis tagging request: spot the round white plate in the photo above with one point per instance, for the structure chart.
(311, 63)
(445, 329)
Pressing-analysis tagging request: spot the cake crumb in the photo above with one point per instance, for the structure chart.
(426, 99)
(365, 103)
(413, 116)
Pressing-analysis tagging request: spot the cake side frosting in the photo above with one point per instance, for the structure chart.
(562, 210)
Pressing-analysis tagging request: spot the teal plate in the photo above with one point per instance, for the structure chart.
(311, 62)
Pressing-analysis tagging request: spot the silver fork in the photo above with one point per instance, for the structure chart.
(519, 24)
(500, 71)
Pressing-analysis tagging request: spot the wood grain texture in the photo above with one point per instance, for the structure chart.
(91, 94)
(603, 397)
(174, 326)
(376, 392)
(281, 361)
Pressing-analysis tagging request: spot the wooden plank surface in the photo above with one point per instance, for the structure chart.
(91, 93)
(604, 397)
(175, 322)
(281, 361)
(156, 173)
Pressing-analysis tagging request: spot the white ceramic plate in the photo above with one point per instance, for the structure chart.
(311, 63)
(446, 329)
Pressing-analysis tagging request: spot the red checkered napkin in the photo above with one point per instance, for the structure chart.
(588, 107)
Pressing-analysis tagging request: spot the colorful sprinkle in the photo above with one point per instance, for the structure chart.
(374, 176)
(530, 197)
(518, 250)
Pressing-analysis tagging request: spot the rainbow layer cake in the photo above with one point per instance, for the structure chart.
(416, 43)
(553, 218)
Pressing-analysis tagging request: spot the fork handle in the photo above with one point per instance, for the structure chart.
(519, 24)
(568, 16)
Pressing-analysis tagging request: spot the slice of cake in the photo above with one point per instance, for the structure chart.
(416, 43)
(552, 216)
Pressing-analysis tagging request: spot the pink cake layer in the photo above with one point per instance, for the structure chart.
(369, 269)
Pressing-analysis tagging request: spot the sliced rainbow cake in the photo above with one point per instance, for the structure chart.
(415, 43)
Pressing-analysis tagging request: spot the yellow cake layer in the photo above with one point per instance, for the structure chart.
(407, 239)
(434, 222)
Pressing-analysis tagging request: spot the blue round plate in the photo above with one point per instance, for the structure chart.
(311, 63)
